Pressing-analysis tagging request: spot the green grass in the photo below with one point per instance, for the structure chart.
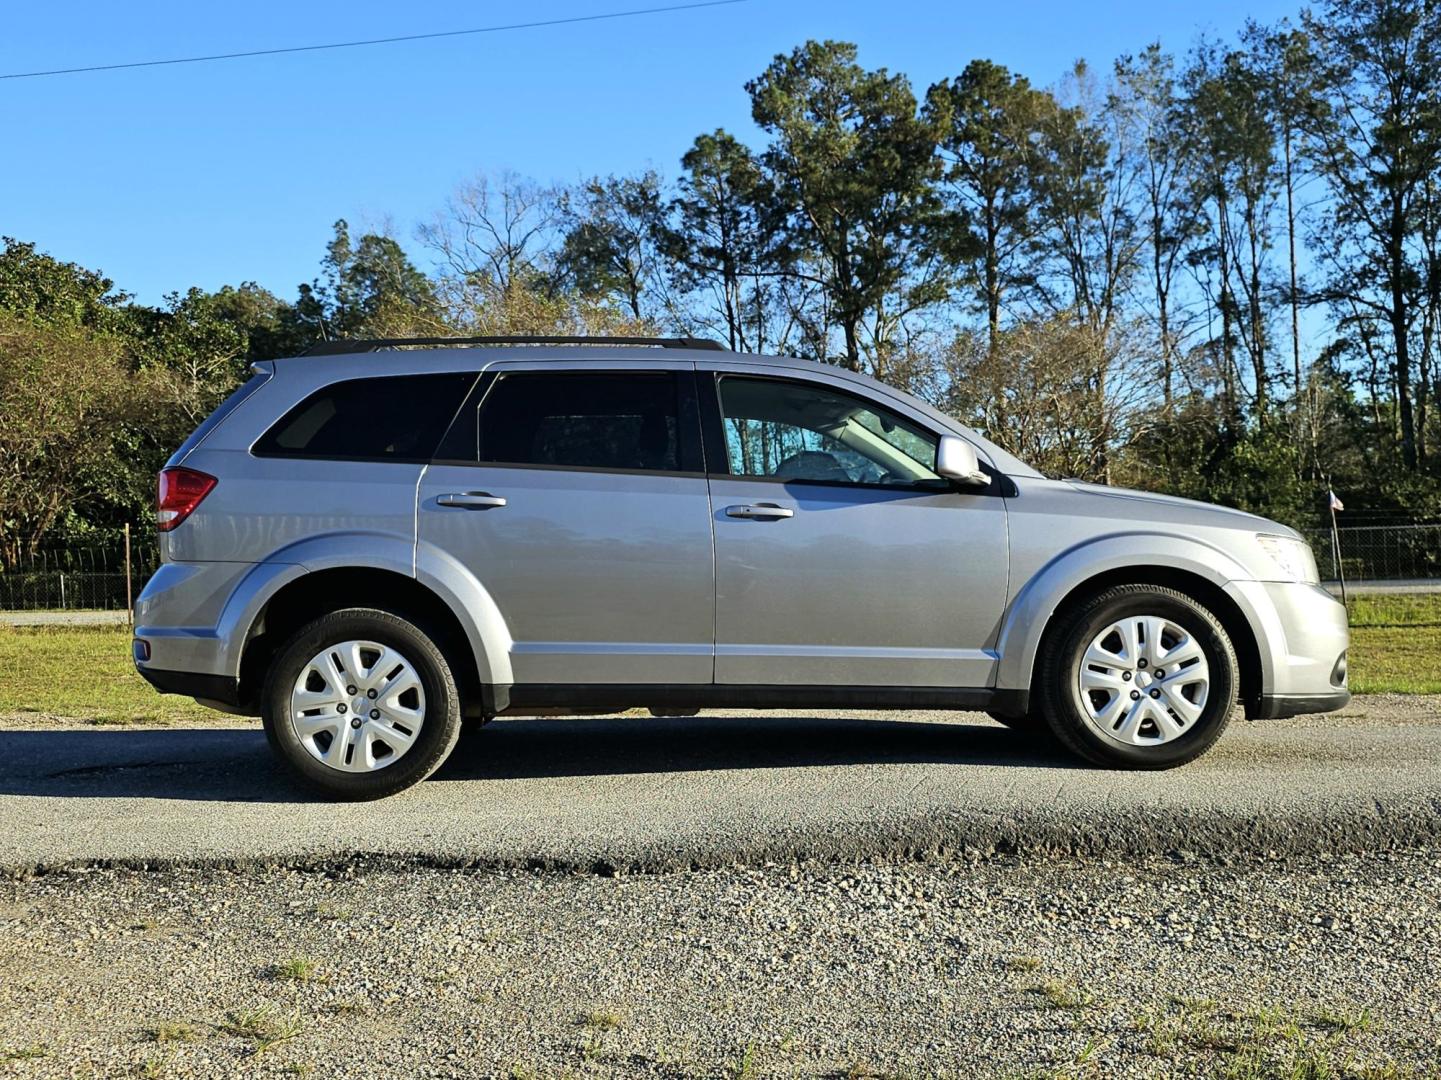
(170, 1031)
(1395, 609)
(1060, 994)
(24, 1053)
(744, 1067)
(298, 969)
(1396, 644)
(603, 1019)
(85, 673)
(263, 1025)
(1195, 1037)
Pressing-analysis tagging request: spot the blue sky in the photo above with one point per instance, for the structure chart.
(217, 173)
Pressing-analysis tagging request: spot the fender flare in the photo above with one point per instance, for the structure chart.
(475, 609)
(453, 584)
(1030, 612)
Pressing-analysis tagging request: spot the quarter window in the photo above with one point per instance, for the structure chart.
(803, 431)
(624, 420)
(398, 416)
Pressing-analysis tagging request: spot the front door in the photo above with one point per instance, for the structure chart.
(842, 558)
(578, 500)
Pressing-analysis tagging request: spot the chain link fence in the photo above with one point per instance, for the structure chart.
(79, 576)
(1380, 553)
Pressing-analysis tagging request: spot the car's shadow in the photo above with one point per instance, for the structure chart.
(235, 764)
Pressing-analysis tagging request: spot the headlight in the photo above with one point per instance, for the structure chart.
(1292, 557)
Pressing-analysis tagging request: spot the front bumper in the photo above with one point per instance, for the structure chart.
(1302, 636)
(1280, 706)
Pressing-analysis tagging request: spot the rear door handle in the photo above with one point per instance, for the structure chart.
(759, 511)
(471, 500)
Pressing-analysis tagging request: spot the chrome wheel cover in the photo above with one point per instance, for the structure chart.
(358, 706)
(1143, 681)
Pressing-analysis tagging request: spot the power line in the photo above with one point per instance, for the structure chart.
(374, 41)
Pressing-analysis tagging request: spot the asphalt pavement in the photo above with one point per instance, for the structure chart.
(720, 790)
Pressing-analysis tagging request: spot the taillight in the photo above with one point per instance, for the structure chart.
(180, 493)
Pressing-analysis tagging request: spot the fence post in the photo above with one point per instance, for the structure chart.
(1336, 541)
(129, 603)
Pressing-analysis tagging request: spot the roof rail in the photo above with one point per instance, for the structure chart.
(360, 345)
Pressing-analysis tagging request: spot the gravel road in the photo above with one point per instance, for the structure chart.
(63, 618)
(721, 790)
(735, 896)
(1300, 967)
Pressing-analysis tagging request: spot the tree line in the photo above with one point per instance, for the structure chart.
(1215, 273)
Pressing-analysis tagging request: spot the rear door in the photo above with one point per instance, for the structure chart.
(842, 559)
(577, 496)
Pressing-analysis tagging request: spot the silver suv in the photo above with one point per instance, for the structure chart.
(369, 543)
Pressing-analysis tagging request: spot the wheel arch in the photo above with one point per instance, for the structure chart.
(282, 596)
(1200, 572)
(303, 598)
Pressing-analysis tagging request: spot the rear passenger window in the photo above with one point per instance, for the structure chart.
(398, 416)
(603, 421)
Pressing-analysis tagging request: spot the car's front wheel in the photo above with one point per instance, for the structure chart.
(360, 704)
(1140, 676)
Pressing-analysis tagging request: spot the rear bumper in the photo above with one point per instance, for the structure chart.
(1280, 706)
(221, 689)
(191, 623)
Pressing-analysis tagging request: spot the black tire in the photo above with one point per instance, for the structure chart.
(1060, 668)
(438, 732)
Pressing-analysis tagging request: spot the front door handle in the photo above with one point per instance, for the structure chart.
(471, 500)
(759, 511)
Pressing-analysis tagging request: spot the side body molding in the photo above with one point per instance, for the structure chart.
(467, 599)
(1046, 587)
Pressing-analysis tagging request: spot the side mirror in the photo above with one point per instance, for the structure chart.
(956, 460)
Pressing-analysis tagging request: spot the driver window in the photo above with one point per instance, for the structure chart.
(801, 431)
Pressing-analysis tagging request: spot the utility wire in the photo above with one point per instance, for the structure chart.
(373, 41)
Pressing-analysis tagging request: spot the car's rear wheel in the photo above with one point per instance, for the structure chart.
(1140, 676)
(360, 704)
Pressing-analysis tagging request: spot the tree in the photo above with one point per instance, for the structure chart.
(368, 289)
(1091, 233)
(993, 145)
(1282, 57)
(48, 290)
(854, 162)
(1146, 95)
(197, 353)
(1377, 143)
(1031, 390)
(1226, 115)
(724, 236)
(495, 234)
(269, 323)
(66, 391)
(497, 241)
(611, 230)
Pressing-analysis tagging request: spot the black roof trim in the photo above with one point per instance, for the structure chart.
(360, 345)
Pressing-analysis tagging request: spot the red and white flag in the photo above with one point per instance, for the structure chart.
(1336, 504)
